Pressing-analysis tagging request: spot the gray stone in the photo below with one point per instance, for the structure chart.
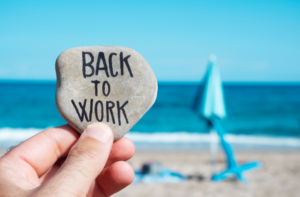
(109, 84)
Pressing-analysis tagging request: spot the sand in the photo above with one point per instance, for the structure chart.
(279, 176)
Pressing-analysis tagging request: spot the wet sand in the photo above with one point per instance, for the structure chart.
(278, 177)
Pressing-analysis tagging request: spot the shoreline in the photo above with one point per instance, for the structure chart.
(178, 141)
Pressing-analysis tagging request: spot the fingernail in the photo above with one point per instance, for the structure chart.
(99, 131)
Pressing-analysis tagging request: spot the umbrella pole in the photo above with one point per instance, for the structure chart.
(213, 150)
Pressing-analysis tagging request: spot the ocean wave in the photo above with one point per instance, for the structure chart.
(18, 135)
(184, 137)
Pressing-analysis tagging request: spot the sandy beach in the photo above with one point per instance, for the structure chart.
(279, 176)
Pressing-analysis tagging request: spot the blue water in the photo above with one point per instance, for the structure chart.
(253, 109)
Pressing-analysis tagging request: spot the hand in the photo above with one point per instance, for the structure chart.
(94, 165)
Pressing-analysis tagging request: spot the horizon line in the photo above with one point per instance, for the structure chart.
(162, 82)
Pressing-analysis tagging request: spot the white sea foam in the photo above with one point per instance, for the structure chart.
(184, 137)
(17, 135)
(9, 134)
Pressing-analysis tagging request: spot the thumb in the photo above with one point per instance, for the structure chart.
(85, 161)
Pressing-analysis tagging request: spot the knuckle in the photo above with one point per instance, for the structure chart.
(77, 168)
(87, 152)
(52, 141)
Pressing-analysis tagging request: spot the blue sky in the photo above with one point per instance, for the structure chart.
(253, 40)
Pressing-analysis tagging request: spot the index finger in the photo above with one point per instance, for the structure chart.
(41, 151)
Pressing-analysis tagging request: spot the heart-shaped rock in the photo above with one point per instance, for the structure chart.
(107, 84)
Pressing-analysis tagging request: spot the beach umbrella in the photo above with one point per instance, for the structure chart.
(209, 103)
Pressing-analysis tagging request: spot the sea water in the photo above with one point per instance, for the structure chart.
(257, 115)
